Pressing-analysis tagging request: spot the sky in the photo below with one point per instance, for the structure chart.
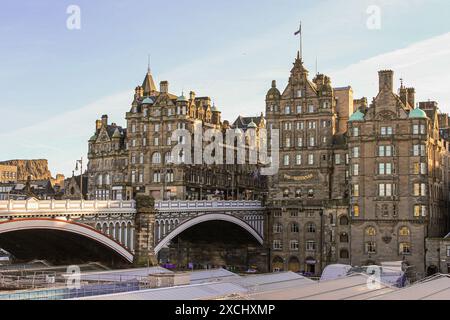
(55, 80)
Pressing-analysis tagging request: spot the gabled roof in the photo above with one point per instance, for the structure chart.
(244, 122)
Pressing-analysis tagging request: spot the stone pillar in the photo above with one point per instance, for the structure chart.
(144, 232)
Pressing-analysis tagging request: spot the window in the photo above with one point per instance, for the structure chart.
(286, 160)
(133, 128)
(286, 193)
(156, 158)
(386, 189)
(293, 213)
(287, 109)
(355, 153)
(337, 159)
(311, 228)
(277, 245)
(419, 168)
(310, 193)
(385, 168)
(310, 159)
(168, 157)
(144, 141)
(277, 228)
(141, 158)
(385, 151)
(386, 131)
(370, 247)
(156, 141)
(298, 193)
(299, 93)
(141, 177)
(343, 254)
(420, 210)
(343, 221)
(420, 189)
(418, 129)
(288, 143)
(355, 131)
(310, 245)
(311, 124)
(157, 127)
(298, 159)
(356, 169)
(311, 108)
(448, 251)
(300, 125)
(356, 210)
(299, 109)
(277, 214)
(294, 228)
(287, 126)
(133, 176)
(300, 142)
(404, 231)
(293, 244)
(343, 237)
(156, 177)
(312, 141)
(355, 191)
(404, 248)
(419, 150)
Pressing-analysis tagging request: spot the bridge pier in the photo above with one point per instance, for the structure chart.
(144, 232)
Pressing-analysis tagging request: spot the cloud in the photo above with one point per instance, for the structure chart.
(424, 65)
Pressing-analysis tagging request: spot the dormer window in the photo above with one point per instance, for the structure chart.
(299, 93)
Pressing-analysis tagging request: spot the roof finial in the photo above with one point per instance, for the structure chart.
(148, 66)
(299, 32)
(401, 83)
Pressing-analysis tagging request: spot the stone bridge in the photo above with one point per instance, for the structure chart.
(135, 233)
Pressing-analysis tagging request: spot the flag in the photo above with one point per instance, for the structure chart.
(299, 30)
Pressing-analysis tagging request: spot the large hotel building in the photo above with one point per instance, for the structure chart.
(358, 183)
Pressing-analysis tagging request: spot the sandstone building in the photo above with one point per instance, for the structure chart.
(138, 159)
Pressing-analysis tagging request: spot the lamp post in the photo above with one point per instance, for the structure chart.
(81, 176)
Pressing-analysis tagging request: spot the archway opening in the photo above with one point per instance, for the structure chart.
(294, 264)
(213, 244)
(58, 247)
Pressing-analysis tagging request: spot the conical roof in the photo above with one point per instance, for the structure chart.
(149, 84)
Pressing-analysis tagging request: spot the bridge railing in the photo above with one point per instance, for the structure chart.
(63, 205)
(207, 205)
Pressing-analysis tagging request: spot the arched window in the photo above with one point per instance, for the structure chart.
(343, 237)
(294, 227)
(311, 228)
(331, 218)
(343, 220)
(156, 158)
(343, 254)
(404, 231)
(141, 158)
(370, 231)
(277, 228)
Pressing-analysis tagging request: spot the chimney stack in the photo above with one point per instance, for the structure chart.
(105, 120)
(98, 125)
(164, 87)
(386, 80)
(411, 97)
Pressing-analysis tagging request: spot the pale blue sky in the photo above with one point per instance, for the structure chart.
(55, 82)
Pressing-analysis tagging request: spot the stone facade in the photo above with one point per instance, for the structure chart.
(357, 185)
(306, 197)
(399, 178)
(124, 162)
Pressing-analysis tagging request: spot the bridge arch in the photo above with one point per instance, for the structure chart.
(204, 218)
(67, 226)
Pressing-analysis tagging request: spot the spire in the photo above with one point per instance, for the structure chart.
(149, 84)
(299, 33)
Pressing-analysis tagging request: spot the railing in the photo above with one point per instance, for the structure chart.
(32, 205)
(207, 205)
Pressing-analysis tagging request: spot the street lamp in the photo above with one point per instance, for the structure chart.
(81, 176)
